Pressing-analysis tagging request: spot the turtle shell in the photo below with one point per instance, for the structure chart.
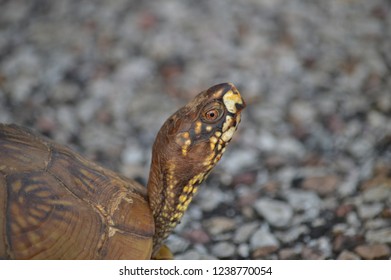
(55, 204)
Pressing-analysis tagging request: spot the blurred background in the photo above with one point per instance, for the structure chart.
(308, 175)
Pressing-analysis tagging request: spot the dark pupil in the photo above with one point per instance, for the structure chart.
(211, 114)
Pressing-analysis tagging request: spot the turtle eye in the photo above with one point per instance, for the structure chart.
(212, 112)
(212, 115)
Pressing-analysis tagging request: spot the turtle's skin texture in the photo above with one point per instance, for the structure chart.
(55, 204)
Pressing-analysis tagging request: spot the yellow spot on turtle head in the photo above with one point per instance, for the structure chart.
(230, 100)
(228, 123)
(184, 141)
(186, 135)
(213, 139)
(227, 136)
(198, 127)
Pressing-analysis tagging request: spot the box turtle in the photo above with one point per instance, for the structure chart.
(55, 204)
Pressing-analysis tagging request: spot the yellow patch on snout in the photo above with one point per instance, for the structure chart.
(230, 100)
(228, 134)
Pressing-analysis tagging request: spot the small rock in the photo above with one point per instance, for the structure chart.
(342, 242)
(343, 210)
(374, 251)
(339, 228)
(267, 142)
(347, 255)
(323, 185)
(132, 154)
(194, 255)
(276, 212)
(386, 213)
(369, 211)
(292, 234)
(223, 250)
(377, 223)
(381, 172)
(302, 112)
(312, 254)
(290, 147)
(177, 244)
(197, 236)
(349, 185)
(305, 201)
(353, 220)
(288, 254)
(379, 236)
(246, 199)
(377, 194)
(263, 238)
(210, 198)
(248, 213)
(243, 233)
(242, 158)
(360, 147)
(245, 178)
(218, 225)
(324, 246)
(244, 250)
(263, 252)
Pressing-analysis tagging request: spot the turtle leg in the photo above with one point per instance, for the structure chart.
(164, 253)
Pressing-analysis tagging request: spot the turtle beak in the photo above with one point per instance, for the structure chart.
(232, 99)
(240, 105)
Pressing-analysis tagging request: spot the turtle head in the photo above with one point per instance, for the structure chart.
(187, 147)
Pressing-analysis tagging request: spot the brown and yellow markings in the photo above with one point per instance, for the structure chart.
(228, 123)
(198, 127)
(227, 135)
(183, 140)
(231, 100)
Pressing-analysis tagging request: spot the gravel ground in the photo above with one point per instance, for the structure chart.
(308, 175)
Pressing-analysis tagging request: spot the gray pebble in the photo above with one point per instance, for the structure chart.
(291, 234)
(379, 236)
(277, 213)
(307, 202)
(223, 250)
(218, 225)
(369, 211)
(243, 233)
(210, 198)
(262, 238)
(379, 193)
(243, 250)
